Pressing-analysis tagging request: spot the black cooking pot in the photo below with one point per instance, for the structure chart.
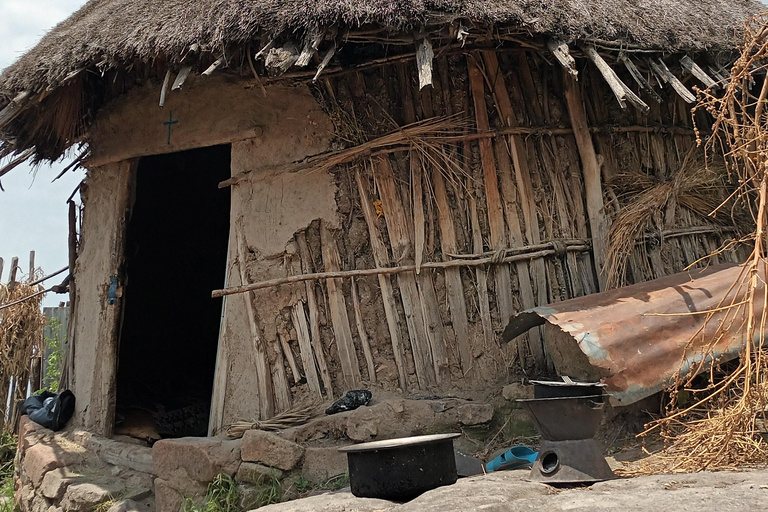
(401, 469)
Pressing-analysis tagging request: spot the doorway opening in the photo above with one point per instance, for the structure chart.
(176, 253)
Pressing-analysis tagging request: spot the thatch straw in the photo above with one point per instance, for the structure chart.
(21, 333)
(698, 186)
(290, 418)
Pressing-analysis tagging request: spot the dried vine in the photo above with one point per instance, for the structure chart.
(716, 418)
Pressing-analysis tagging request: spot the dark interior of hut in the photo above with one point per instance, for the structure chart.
(176, 252)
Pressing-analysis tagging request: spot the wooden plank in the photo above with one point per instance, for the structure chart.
(590, 167)
(516, 149)
(560, 51)
(381, 258)
(264, 388)
(362, 334)
(288, 353)
(14, 269)
(454, 287)
(424, 56)
(397, 228)
(419, 225)
(13, 108)
(493, 196)
(164, 88)
(639, 78)
(181, 78)
(280, 378)
(299, 318)
(31, 274)
(619, 88)
(1, 269)
(338, 309)
(436, 331)
(314, 315)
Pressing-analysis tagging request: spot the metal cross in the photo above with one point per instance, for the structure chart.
(170, 122)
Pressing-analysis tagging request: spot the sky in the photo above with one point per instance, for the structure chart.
(33, 211)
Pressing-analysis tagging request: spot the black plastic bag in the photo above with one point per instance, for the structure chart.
(49, 409)
(352, 400)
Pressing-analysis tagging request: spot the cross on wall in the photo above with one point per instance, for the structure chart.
(170, 122)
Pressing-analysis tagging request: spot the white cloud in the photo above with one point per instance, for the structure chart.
(33, 213)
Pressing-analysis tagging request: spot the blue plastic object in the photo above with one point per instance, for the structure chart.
(515, 458)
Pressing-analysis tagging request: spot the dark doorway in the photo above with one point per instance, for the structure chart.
(176, 252)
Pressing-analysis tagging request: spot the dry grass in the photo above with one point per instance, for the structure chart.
(725, 427)
(290, 418)
(21, 332)
(697, 186)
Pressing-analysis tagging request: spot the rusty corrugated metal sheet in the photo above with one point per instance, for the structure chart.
(620, 338)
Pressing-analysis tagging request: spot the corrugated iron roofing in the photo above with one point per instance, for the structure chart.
(636, 338)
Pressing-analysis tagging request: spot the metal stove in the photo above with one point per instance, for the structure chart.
(567, 415)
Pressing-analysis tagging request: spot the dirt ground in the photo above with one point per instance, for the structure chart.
(509, 491)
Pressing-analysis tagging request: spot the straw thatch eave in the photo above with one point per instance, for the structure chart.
(115, 31)
(53, 91)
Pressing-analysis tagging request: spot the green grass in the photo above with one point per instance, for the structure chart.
(222, 496)
(7, 453)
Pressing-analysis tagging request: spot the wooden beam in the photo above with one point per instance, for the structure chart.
(496, 222)
(622, 92)
(660, 68)
(639, 78)
(381, 259)
(31, 274)
(560, 51)
(338, 310)
(299, 317)
(696, 71)
(288, 353)
(13, 108)
(362, 334)
(181, 78)
(307, 267)
(164, 88)
(590, 167)
(424, 56)
(401, 269)
(524, 197)
(263, 373)
(402, 249)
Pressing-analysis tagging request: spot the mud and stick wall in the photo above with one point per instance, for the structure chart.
(513, 184)
(504, 185)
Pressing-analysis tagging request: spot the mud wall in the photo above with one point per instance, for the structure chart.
(506, 188)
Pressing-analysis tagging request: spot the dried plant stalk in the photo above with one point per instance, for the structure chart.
(726, 427)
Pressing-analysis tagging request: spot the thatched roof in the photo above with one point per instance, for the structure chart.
(117, 34)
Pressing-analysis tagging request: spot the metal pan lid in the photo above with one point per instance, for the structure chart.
(571, 383)
(390, 444)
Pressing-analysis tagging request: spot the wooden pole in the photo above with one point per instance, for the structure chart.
(338, 308)
(314, 314)
(31, 275)
(263, 373)
(12, 276)
(397, 228)
(590, 166)
(522, 196)
(299, 318)
(363, 335)
(493, 196)
(402, 269)
(381, 258)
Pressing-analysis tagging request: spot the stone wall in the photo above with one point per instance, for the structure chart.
(76, 471)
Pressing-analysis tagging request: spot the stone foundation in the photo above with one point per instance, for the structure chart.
(75, 471)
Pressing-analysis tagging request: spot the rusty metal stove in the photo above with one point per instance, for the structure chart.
(567, 415)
